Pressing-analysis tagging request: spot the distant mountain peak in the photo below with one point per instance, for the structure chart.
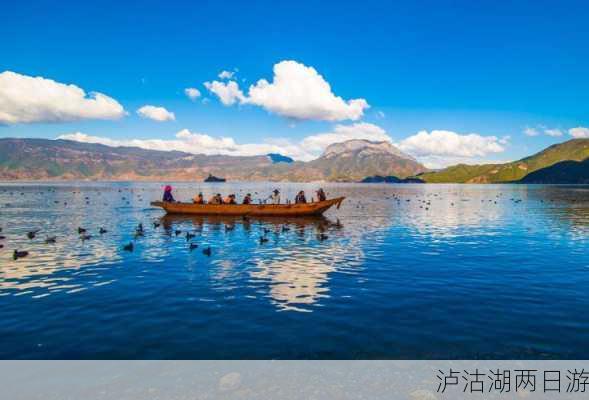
(364, 147)
(64, 159)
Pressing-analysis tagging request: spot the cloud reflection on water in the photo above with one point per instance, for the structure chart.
(293, 270)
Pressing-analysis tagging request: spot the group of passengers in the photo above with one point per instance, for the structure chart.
(215, 199)
(274, 198)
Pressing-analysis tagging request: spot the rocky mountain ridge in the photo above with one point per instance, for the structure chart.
(44, 159)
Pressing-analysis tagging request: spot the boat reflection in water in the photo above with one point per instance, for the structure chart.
(319, 223)
(413, 271)
(293, 270)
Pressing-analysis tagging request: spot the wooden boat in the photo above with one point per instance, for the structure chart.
(259, 210)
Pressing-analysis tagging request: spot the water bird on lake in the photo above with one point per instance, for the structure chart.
(139, 231)
(2, 237)
(128, 247)
(81, 230)
(156, 225)
(19, 254)
(102, 231)
(177, 232)
(50, 239)
(207, 251)
(263, 239)
(285, 228)
(189, 236)
(32, 234)
(85, 237)
(192, 246)
(322, 237)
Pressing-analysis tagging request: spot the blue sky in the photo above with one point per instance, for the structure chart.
(464, 67)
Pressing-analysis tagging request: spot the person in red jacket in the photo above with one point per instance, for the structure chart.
(168, 194)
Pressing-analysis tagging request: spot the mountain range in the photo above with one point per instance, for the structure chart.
(353, 160)
(521, 170)
(44, 159)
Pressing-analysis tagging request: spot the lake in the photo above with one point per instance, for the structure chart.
(408, 272)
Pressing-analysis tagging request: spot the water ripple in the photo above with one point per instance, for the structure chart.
(414, 271)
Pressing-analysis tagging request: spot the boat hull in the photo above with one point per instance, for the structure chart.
(259, 210)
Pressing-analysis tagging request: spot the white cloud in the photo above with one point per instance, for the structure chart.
(442, 148)
(27, 99)
(226, 74)
(192, 93)
(541, 129)
(300, 92)
(579, 132)
(296, 91)
(553, 132)
(229, 92)
(448, 143)
(185, 140)
(436, 149)
(195, 143)
(159, 114)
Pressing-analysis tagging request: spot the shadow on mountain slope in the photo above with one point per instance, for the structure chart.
(571, 172)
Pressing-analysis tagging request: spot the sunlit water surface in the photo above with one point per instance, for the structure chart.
(409, 271)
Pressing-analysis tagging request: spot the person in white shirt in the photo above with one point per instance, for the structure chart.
(275, 197)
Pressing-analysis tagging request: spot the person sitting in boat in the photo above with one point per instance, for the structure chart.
(199, 199)
(216, 199)
(230, 199)
(168, 194)
(321, 195)
(275, 197)
(247, 199)
(300, 199)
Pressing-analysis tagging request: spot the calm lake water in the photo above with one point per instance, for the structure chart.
(410, 271)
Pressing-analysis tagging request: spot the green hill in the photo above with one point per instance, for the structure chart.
(572, 150)
(572, 172)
